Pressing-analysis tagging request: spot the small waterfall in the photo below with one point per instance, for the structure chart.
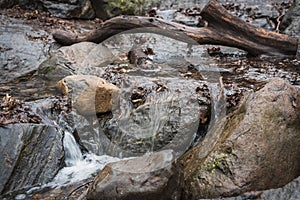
(218, 102)
(78, 166)
(73, 154)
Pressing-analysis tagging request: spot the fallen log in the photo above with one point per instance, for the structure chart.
(222, 29)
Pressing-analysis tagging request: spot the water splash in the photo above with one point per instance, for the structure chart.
(83, 169)
(78, 166)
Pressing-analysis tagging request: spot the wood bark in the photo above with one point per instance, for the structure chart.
(223, 29)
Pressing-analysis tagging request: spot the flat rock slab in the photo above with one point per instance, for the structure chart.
(30, 154)
(22, 48)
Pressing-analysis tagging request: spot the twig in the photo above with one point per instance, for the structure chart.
(80, 186)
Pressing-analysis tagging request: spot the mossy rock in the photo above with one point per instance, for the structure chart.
(106, 9)
(256, 148)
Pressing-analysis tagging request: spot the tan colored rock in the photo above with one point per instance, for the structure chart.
(90, 94)
(256, 148)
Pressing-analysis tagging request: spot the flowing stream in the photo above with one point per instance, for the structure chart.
(169, 116)
(72, 151)
(78, 166)
(168, 119)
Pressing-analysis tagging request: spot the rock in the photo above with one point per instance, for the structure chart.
(183, 18)
(87, 54)
(69, 9)
(106, 9)
(20, 55)
(7, 3)
(23, 3)
(81, 9)
(54, 69)
(155, 176)
(256, 148)
(30, 154)
(289, 191)
(100, 7)
(154, 115)
(290, 22)
(81, 58)
(90, 94)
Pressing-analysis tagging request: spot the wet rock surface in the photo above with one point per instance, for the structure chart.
(180, 77)
(245, 157)
(90, 94)
(64, 9)
(155, 176)
(24, 148)
(70, 9)
(165, 117)
(290, 23)
(86, 55)
(22, 48)
(289, 191)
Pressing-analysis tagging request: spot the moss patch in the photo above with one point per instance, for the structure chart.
(48, 69)
(125, 7)
(217, 162)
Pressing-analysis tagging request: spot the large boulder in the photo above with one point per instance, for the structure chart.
(151, 116)
(155, 115)
(90, 94)
(155, 176)
(30, 154)
(256, 148)
(289, 191)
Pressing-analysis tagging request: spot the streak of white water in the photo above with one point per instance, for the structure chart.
(78, 167)
(72, 151)
(218, 101)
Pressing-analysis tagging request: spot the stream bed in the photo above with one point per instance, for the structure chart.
(169, 102)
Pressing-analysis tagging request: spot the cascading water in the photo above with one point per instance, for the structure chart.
(167, 119)
(73, 154)
(78, 166)
(218, 101)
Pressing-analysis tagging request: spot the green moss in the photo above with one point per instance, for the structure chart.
(25, 150)
(48, 69)
(217, 162)
(126, 7)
